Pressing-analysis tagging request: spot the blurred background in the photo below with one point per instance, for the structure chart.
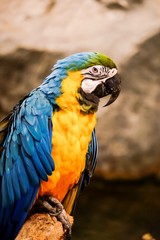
(122, 201)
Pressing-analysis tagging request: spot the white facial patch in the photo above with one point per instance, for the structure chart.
(88, 85)
(93, 78)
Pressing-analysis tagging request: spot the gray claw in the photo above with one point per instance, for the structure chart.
(63, 218)
(55, 208)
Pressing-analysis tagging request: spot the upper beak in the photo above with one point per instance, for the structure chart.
(113, 87)
(109, 86)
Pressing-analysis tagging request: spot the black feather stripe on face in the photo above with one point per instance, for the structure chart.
(89, 102)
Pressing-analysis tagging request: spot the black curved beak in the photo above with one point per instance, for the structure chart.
(110, 87)
(113, 87)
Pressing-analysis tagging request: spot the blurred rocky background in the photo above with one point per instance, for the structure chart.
(34, 34)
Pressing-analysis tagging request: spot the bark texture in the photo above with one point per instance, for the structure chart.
(42, 227)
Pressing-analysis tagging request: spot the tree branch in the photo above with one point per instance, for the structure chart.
(44, 227)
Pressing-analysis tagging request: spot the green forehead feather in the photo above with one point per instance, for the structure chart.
(101, 59)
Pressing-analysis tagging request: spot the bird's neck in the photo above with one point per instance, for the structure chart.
(68, 99)
(73, 98)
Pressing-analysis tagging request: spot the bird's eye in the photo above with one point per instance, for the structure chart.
(94, 70)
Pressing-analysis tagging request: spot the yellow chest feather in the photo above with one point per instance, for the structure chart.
(71, 136)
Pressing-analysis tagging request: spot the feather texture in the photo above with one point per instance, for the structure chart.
(71, 197)
(25, 151)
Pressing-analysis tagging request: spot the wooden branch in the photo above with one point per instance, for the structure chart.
(42, 227)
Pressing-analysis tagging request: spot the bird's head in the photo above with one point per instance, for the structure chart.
(89, 76)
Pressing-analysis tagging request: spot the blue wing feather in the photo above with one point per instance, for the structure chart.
(16, 183)
(91, 159)
(92, 154)
(7, 188)
(22, 177)
(30, 169)
(30, 119)
(34, 130)
(25, 159)
(27, 142)
(45, 158)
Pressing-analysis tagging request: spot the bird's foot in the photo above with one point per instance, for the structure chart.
(52, 206)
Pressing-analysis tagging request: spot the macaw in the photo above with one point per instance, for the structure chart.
(48, 146)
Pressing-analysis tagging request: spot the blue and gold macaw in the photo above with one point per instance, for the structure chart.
(48, 146)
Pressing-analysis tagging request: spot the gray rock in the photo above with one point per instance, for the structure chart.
(129, 131)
